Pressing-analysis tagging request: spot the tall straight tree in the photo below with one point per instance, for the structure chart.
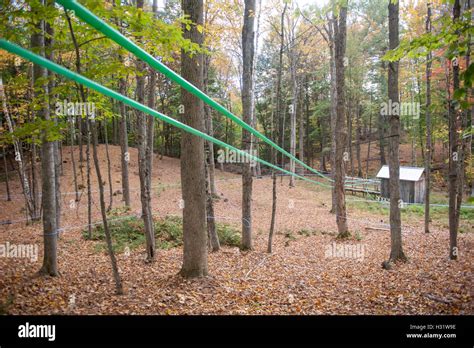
(276, 125)
(396, 253)
(150, 126)
(341, 132)
(467, 122)
(49, 54)
(105, 224)
(455, 158)
(143, 166)
(248, 51)
(331, 28)
(294, 87)
(428, 155)
(193, 179)
(48, 173)
(123, 136)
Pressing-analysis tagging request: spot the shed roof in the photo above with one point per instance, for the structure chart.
(406, 173)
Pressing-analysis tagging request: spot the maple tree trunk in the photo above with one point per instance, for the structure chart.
(396, 252)
(281, 103)
(293, 115)
(428, 155)
(381, 133)
(149, 150)
(248, 51)
(73, 160)
(358, 140)
(341, 130)
(349, 136)
(307, 116)
(143, 165)
(257, 169)
(124, 154)
(468, 122)
(277, 128)
(368, 147)
(150, 133)
(466, 139)
(301, 169)
(455, 183)
(213, 238)
(82, 93)
(108, 237)
(109, 170)
(88, 175)
(193, 180)
(48, 174)
(123, 132)
(273, 220)
(49, 54)
(333, 94)
(34, 183)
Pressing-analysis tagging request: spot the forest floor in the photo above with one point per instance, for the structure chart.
(302, 276)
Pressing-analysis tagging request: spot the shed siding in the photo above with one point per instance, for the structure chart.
(407, 191)
(420, 191)
(410, 192)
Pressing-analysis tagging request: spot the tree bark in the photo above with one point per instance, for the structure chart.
(277, 128)
(358, 140)
(468, 123)
(73, 161)
(280, 103)
(213, 238)
(123, 132)
(143, 165)
(348, 114)
(455, 158)
(193, 180)
(301, 169)
(49, 54)
(109, 169)
(248, 51)
(88, 174)
(108, 237)
(341, 129)
(150, 133)
(294, 109)
(428, 151)
(124, 154)
(48, 174)
(368, 146)
(294, 90)
(272, 223)
(333, 92)
(396, 253)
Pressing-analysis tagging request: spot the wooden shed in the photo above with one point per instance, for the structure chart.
(412, 184)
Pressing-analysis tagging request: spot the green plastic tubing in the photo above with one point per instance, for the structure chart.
(15, 49)
(123, 41)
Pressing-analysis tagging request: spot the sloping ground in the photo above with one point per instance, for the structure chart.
(406, 159)
(303, 275)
